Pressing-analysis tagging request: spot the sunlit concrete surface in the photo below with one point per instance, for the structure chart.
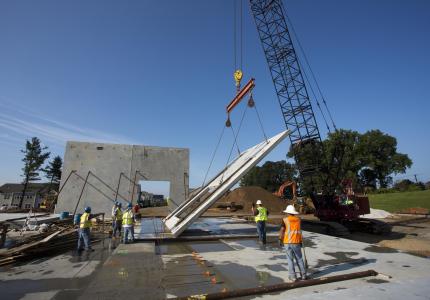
(59, 277)
(189, 211)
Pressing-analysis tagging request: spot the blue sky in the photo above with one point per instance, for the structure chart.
(160, 73)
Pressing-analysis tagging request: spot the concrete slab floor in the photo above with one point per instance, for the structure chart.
(136, 271)
(62, 276)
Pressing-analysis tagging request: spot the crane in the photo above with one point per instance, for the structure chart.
(299, 117)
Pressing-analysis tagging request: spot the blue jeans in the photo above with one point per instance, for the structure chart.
(84, 235)
(294, 251)
(128, 230)
(261, 230)
(117, 227)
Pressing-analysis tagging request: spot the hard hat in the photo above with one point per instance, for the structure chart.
(87, 209)
(130, 205)
(258, 202)
(291, 210)
(119, 205)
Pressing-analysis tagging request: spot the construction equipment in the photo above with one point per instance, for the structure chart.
(288, 190)
(49, 200)
(298, 114)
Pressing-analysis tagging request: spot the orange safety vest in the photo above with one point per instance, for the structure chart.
(293, 231)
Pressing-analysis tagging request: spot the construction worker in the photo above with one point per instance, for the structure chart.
(117, 220)
(260, 214)
(290, 237)
(136, 212)
(84, 230)
(114, 207)
(128, 223)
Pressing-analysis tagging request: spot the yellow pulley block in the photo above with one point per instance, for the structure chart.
(238, 77)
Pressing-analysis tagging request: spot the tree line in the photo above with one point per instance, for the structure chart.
(35, 156)
(369, 160)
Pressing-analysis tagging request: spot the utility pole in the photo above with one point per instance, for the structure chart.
(416, 180)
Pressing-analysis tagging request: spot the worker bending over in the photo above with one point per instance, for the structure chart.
(118, 220)
(290, 237)
(84, 230)
(128, 223)
(260, 214)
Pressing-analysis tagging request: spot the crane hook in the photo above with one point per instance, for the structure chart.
(238, 78)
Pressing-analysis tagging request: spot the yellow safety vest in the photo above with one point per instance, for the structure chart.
(85, 221)
(293, 231)
(262, 214)
(118, 214)
(127, 217)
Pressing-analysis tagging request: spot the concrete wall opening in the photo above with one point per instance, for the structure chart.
(154, 193)
(107, 162)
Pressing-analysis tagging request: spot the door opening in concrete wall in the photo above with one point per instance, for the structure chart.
(154, 193)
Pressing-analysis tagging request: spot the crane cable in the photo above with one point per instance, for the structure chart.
(238, 56)
(238, 42)
(235, 135)
(213, 155)
(311, 71)
(315, 96)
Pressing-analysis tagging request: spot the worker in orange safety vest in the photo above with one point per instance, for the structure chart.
(290, 237)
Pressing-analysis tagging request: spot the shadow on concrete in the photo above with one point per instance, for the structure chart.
(341, 267)
(341, 261)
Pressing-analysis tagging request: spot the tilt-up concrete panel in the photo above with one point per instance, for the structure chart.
(106, 162)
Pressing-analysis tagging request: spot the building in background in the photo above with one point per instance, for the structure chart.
(151, 200)
(11, 194)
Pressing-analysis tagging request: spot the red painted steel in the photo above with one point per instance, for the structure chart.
(242, 93)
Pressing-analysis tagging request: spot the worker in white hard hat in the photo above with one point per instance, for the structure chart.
(260, 214)
(290, 237)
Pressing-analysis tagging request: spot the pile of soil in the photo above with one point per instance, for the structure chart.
(412, 245)
(246, 196)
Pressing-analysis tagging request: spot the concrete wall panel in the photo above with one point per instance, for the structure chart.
(107, 161)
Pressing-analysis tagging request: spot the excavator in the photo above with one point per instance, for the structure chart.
(288, 192)
(292, 93)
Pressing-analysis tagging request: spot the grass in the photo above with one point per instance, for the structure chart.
(394, 202)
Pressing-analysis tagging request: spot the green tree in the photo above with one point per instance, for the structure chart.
(342, 159)
(53, 170)
(270, 175)
(34, 158)
(379, 153)
(366, 159)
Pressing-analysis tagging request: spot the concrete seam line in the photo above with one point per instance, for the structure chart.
(280, 287)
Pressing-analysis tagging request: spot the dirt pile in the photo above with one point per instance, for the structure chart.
(245, 196)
